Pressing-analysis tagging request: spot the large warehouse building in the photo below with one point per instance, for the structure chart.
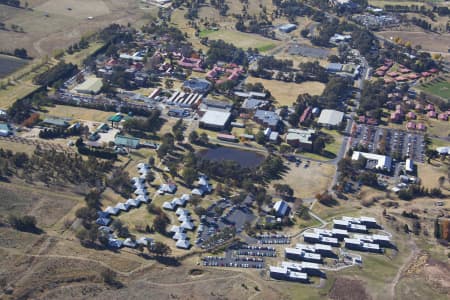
(216, 120)
(330, 117)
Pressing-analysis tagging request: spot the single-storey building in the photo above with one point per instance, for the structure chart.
(91, 86)
(330, 118)
(216, 120)
(128, 142)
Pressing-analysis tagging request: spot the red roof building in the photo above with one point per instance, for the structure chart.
(432, 114)
(393, 74)
(443, 117)
(421, 127)
(410, 126)
(413, 76)
(425, 74)
(411, 115)
(430, 107)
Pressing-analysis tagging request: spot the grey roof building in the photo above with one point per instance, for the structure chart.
(330, 117)
(214, 119)
(267, 118)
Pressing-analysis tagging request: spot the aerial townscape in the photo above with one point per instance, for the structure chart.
(206, 149)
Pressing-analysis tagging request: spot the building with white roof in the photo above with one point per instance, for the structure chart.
(183, 244)
(281, 208)
(217, 120)
(123, 206)
(382, 162)
(112, 210)
(299, 254)
(409, 165)
(357, 244)
(330, 118)
(187, 224)
(130, 243)
(168, 205)
(179, 236)
(283, 273)
(133, 202)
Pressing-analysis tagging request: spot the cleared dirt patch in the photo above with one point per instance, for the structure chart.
(348, 289)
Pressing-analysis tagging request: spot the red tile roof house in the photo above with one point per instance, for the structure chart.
(434, 70)
(443, 117)
(425, 74)
(191, 63)
(411, 115)
(413, 76)
(410, 126)
(396, 117)
(404, 70)
(421, 127)
(393, 74)
(432, 114)
(233, 73)
(429, 107)
(379, 73)
(305, 115)
(383, 68)
(419, 107)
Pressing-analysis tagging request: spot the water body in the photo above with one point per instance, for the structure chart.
(245, 159)
(9, 64)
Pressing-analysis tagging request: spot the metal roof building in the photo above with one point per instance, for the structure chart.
(330, 117)
(91, 85)
(214, 119)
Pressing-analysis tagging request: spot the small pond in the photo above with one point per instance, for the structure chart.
(246, 159)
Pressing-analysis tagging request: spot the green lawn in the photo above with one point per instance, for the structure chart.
(240, 39)
(441, 88)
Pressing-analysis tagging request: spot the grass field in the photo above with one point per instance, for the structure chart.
(286, 93)
(242, 39)
(77, 113)
(440, 88)
(307, 182)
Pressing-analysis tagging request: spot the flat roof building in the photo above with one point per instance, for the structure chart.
(124, 141)
(217, 120)
(330, 117)
(300, 138)
(381, 162)
(92, 85)
(299, 254)
(267, 118)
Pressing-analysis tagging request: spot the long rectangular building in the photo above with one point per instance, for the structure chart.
(299, 254)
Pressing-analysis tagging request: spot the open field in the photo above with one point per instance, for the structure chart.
(429, 41)
(307, 182)
(20, 198)
(10, 64)
(286, 93)
(50, 25)
(429, 174)
(440, 89)
(242, 39)
(77, 113)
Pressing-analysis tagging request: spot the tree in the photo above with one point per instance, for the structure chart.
(189, 176)
(159, 249)
(260, 137)
(284, 190)
(193, 137)
(441, 181)
(204, 139)
(160, 223)
(437, 229)
(168, 83)
(24, 223)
